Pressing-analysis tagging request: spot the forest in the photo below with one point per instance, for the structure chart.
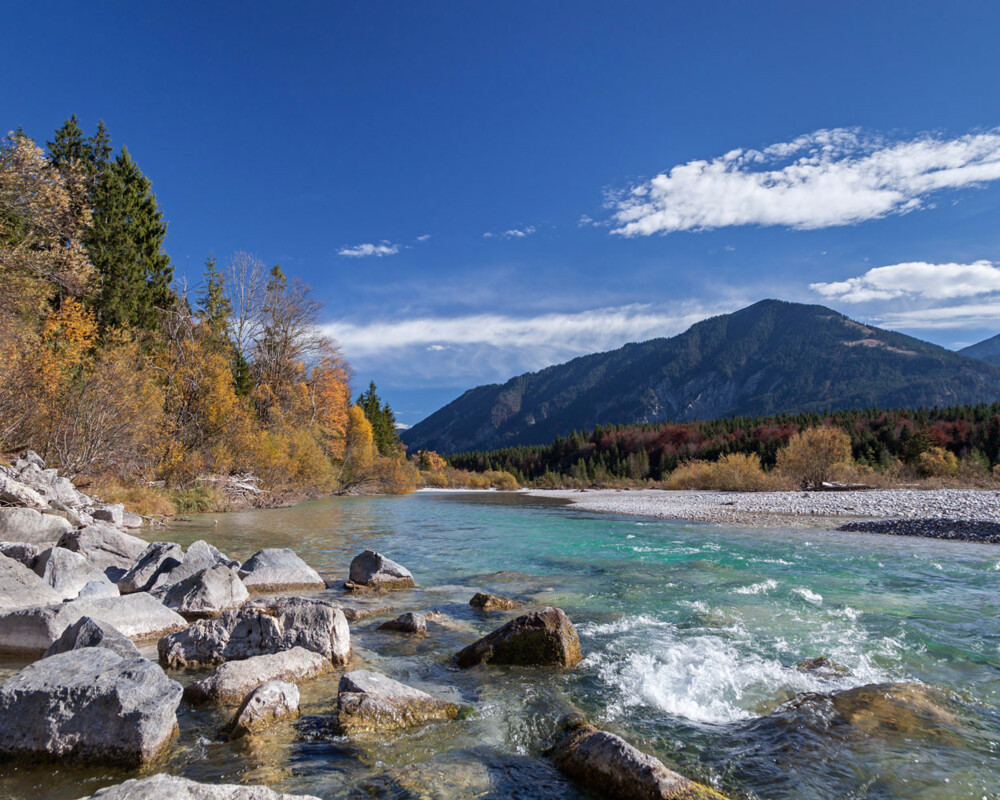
(934, 442)
(141, 387)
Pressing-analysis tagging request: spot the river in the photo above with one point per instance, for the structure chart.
(692, 635)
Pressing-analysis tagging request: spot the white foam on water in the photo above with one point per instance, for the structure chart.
(757, 588)
(809, 595)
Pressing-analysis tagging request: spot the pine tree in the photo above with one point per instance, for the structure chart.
(125, 244)
(69, 145)
(213, 305)
(383, 421)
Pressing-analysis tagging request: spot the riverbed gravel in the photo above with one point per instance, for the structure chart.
(793, 508)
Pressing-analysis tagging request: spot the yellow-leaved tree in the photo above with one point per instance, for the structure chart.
(812, 456)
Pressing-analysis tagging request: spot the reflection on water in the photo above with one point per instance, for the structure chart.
(694, 635)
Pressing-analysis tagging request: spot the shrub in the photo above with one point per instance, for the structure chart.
(811, 456)
(937, 463)
(734, 472)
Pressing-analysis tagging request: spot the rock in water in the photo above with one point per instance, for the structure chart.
(89, 704)
(371, 570)
(207, 593)
(230, 682)
(369, 701)
(138, 616)
(200, 555)
(261, 627)
(156, 559)
(406, 623)
(604, 763)
(169, 787)
(87, 632)
(67, 572)
(492, 602)
(278, 569)
(265, 705)
(22, 588)
(544, 638)
(31, 526)
(107, 548)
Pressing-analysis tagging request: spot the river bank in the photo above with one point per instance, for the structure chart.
(790, 509)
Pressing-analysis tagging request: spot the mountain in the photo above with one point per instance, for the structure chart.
(771, 357)
(987, 350)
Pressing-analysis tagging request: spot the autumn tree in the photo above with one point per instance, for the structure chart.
(359, 454)
(811, 455)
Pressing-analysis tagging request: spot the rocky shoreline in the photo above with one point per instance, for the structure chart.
(960, 514)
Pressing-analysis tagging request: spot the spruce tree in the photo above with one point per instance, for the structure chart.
(213, 305)
(125, 244)
(382, 419)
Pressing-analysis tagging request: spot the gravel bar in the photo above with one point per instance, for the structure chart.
(782, 509)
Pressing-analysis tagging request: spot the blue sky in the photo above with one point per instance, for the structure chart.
(479, 189)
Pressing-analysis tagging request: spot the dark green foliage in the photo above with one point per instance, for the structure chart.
(770, 358)
(987, 350)
(633, 452)
(125, 244)
(382, 420)
(70, 147)
(214, 307)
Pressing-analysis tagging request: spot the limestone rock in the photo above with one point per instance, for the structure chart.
(156, 559)
(278, 569)
(207, 593)
(373, 570)
(113, 513)
(66, 572)
(369, 701)
(406, 623)
(261, 627)
(138, 616)
(14, 491)
(89, 704)
(31, 526)
(168, 787)
(22, 588)
(92, 590)
(268, 703)
(130, 520)
(606, 764)
(492, 602)
(200, 555)
(230, 682)
(105, 547)
(544, 637)
(87, 632)
(21, 552)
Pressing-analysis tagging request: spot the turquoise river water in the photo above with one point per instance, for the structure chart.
(692, 635)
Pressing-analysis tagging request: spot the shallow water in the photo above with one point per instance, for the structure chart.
(691, 635)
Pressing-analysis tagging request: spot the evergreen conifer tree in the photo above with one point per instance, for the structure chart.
(382, 419)
(213, 305)
(125, 243)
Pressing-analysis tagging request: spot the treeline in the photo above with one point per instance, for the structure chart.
(879, 440)
(110, 369)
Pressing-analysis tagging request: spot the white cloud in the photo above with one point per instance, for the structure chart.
(823, 179)
(971, 316)
(364, 250)
(915, 279)
(424, 237)
(513, 233)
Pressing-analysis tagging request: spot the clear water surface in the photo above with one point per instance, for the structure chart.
(692, 634)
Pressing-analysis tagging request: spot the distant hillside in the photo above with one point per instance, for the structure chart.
(987, 350)
(772, 357)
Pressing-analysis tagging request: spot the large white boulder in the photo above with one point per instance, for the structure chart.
(106, 547)
(31, 526)
(22, 588)
(371, 570)
(207, 593)
(279, 569)
(89, 704)
(230, 682)
(87, 632)
(158, 558)
(67, 572)
(370, 701)
(169, 787)
(12, 490)
(261, 627)
(200, 555)
(139, 616)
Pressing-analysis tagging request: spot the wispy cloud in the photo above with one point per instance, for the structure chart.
(384, 248)
(915, 279)
(971, 316)
(487, 347)
(513, 233)
(823, 179)
(423, 237)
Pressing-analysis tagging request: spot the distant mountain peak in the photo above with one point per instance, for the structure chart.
(771, 357)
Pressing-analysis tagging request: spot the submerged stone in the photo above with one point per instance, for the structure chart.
(230, 682)
(406, 623)
(170, 787)
(492, 602)
(265, 705)
(370, 701)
